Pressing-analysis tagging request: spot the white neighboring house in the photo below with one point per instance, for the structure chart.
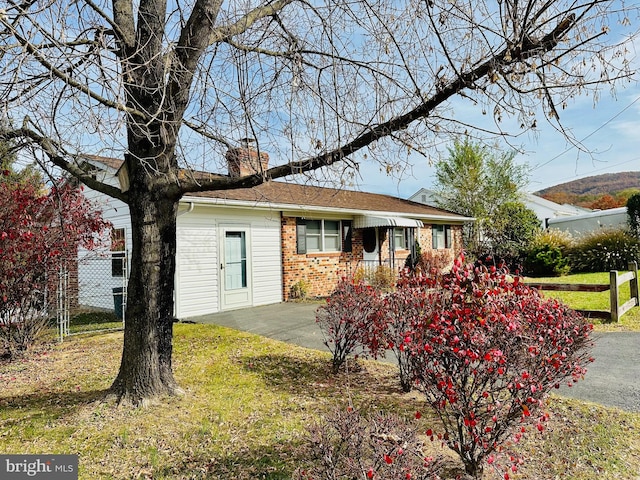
(544, 209)
(576, 225)
(101, 271)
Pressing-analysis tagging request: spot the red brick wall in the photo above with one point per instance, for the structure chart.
(426, 241)
(321, 271)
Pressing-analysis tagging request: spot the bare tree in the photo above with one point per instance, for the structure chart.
(166, 85)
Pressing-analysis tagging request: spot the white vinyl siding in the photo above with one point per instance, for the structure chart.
(95, 275)
(198, 264)
(196, 287)
(266, 261)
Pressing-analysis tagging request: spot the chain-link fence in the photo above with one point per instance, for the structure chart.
(91, 293)
(82, 294)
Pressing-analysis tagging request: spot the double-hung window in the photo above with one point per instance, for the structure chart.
(323, 235)
(400, 239)
(441, 236)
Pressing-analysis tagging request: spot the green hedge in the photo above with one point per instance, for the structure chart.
(604, 250)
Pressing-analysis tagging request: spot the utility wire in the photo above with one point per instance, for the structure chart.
(575, 177)
(591, 134)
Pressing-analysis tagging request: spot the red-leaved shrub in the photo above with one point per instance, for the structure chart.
(486, 352)
(38, 229)
(346, 318)
(393, 327)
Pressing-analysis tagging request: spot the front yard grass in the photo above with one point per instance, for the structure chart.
(243, 416)
(92, 320)
(594, 301)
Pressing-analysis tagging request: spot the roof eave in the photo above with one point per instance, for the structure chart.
(309, 209)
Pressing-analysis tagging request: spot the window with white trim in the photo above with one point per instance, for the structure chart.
(323, 235)
(400, 238)
(441, 236)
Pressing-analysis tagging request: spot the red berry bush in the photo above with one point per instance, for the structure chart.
(348, 445)
(487, 351)
(346, 319)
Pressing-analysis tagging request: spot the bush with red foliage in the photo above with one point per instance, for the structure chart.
(347, 318)
(37, 229)
(393, 327)
(486, 352)
(381, 447)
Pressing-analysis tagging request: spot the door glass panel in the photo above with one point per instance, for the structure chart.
(369, 242)
(235, 261)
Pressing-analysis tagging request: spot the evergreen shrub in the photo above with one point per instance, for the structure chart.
(604, 250)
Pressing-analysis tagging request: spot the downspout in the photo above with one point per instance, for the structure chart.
(189, 210)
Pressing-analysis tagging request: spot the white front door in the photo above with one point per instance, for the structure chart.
(235, 268)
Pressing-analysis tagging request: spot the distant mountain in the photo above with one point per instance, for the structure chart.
(608, 183)
(600, 192)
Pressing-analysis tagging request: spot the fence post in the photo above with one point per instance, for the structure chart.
(62, 310)
(613, 294)
(633, 284)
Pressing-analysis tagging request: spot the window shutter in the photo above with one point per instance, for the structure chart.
(301, 236)
(434, 236)
(447, 237)
(347, 236)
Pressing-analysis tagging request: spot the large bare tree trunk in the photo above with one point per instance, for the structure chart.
(145, 370)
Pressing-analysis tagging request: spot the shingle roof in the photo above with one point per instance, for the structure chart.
(275, 192)
(114, 163)
(299, 196)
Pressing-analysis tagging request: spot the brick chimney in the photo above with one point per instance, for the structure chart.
(244, 160)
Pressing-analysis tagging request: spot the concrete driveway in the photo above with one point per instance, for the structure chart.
(613, 379)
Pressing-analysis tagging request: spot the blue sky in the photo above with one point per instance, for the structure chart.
(609, 130)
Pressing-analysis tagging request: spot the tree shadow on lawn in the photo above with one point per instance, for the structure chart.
(49, 404)
(303, 375)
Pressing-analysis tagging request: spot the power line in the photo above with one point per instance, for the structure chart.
(576, 177)
(591, 134)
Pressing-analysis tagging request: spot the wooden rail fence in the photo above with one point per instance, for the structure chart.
(615, 281)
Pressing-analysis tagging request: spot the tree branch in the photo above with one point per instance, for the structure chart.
(123, 18)
(116, 28)
(56, 155)
(244, 23)
(56, 72)
(507, 56)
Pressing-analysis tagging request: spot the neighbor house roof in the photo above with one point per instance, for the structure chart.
(110, 162)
